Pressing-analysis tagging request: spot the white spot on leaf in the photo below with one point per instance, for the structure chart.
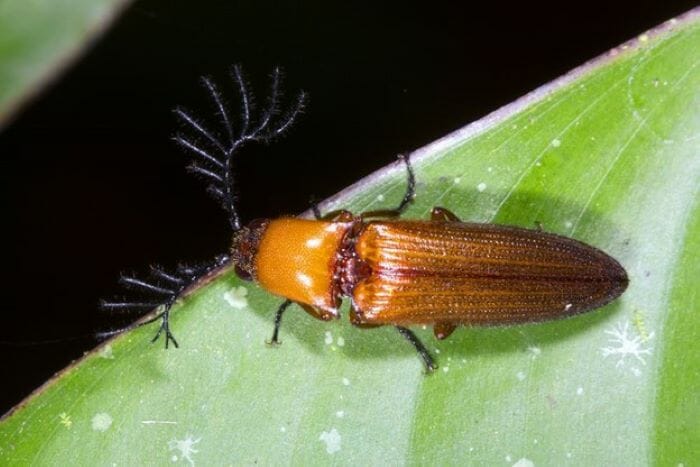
(186, 448)
(106, 352)
(534, 351)
(524, 462)
(329, 338)
(624, 344)
(346, 382)
(556, 142)
(236, 297)
(101, 421)
(332, 440)
(520, 375)
(481, 187)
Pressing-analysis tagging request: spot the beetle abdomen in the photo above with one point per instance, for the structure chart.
(428, 272)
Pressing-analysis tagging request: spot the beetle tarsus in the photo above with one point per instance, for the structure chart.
(165, 327)
(428, 361)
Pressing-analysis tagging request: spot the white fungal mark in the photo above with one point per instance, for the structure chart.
(524, 462)
(624, 344)
(346, 382)
(481, 187)
(101, 421)
(457, 180)
(568, 224)
(236, 297)
(568, 455)
(445, 369)
(556, 142)
(332, 440)
(380, 198)
(329, 338)
(341, 341)
(579, 391)
(186, 448)
(340, 414)
(106, 352)
(534, 351)
(508, 458)
(283, 429)
(520, 375)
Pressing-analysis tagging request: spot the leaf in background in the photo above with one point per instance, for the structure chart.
(39, 38)
(608, 155)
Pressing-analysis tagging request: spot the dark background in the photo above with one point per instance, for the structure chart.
(92, 185)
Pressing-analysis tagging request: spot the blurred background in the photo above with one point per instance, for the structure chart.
(92, 185)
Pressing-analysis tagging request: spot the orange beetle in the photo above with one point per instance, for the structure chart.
(440, 272)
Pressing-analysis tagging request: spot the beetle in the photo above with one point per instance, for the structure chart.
(441, 272)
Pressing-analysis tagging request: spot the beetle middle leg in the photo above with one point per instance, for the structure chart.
(430, 364)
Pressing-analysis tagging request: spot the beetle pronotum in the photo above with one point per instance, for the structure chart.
(440, 272)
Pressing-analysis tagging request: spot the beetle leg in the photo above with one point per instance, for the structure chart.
(443, 329)
(342, 215)
(430, 364)
(439, 214)
(356, 321)
(407, 197)
(278, 322)
(317, 313)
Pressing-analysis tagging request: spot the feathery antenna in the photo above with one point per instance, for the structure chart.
(213, 155)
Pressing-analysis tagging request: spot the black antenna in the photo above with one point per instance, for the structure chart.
(213, 161)
(213, 156)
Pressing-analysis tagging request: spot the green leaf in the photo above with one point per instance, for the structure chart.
(38, 38)
(607, 154)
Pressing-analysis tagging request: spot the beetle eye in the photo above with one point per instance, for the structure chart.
(242, 273)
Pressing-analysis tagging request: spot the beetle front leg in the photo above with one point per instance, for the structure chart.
(278, 322)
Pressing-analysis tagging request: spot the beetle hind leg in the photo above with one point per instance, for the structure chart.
(439, 214)
(430, 364)
(443, 329)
